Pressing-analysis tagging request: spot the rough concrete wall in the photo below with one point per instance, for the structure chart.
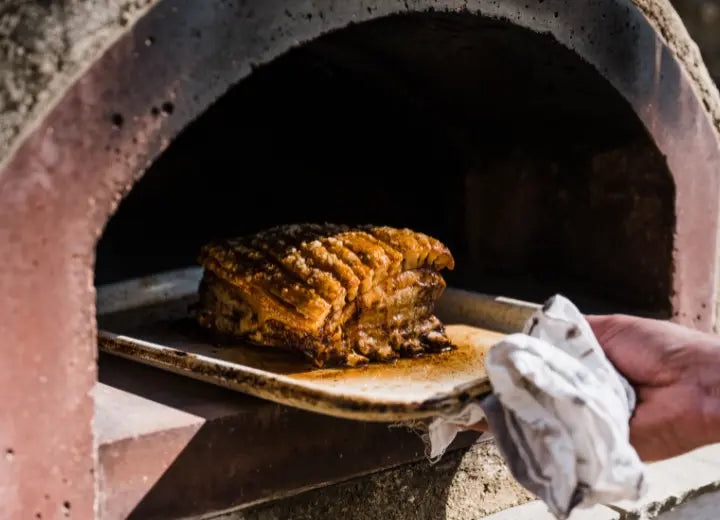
(45, 45)
(702, 19)
(463, 485)
(672, 28)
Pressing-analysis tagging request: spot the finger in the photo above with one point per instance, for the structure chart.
(604, 326)
(608, 331)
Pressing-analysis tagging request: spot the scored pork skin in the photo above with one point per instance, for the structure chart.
(341, 295)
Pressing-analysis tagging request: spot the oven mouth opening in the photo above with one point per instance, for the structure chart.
(494, 139)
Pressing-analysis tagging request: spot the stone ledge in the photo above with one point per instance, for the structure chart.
(466, 484)
(538, 511)
(673, 481)
(701, 508)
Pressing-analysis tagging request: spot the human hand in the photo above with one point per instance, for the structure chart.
(676, 374)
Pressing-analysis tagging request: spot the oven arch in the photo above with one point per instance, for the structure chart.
(67, 176)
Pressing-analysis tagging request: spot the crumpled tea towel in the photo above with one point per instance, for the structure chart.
(559, 412)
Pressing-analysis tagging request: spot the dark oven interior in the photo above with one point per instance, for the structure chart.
(505, 145)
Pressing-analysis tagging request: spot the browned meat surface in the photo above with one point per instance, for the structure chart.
(340, 295)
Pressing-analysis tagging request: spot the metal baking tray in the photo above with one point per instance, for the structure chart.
(147, 320)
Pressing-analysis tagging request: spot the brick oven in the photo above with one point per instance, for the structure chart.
(554, 146)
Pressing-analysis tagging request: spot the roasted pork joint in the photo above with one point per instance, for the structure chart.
(341, 295)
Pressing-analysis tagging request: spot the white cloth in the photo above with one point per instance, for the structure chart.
(560, 413)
